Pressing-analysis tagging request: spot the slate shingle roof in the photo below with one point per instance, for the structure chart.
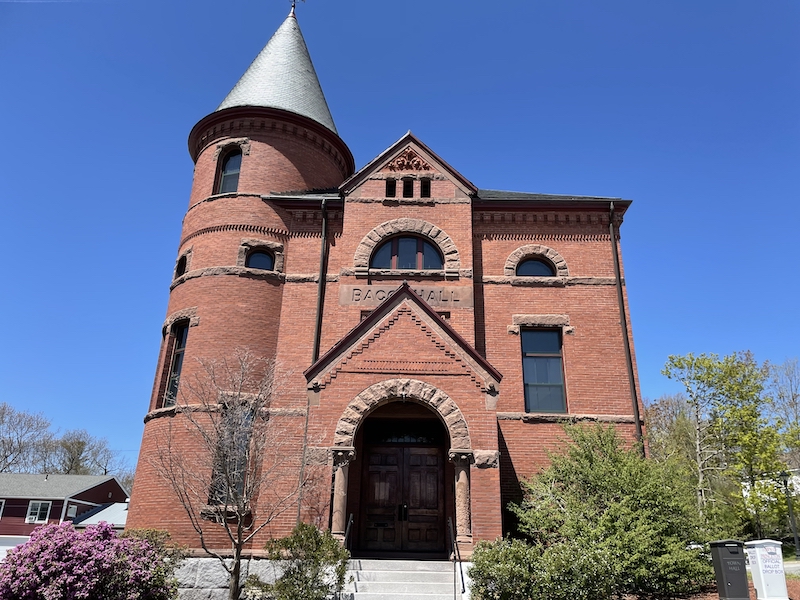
(282, 76)
(44, 487)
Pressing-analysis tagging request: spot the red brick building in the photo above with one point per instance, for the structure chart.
(431, 335)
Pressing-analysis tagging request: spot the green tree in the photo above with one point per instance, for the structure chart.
(699, 375)
(737, 447)
(600, 522)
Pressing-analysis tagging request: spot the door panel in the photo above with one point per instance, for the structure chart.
(403, 499)
(381, 528)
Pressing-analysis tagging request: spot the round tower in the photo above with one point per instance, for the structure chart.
(273, 133)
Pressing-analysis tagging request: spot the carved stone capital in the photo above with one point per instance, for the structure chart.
(461, 455)
(343, 456)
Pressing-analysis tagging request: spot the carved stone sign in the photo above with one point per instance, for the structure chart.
(437, 296)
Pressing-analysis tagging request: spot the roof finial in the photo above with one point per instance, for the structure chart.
(291, 12)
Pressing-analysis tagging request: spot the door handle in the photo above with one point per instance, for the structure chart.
(402, 512)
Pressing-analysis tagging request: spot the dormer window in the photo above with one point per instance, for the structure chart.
(408, 187)
(391, 188)
(535, 267)
(229, 172)
(407, 253)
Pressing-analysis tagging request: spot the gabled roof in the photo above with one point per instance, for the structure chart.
(115, 513)
(403, 294)
(409, 139)
(283, 77)
(48, 487)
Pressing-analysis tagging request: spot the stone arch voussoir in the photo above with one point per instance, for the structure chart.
(535, 251)
(411, 389)
(419, 227)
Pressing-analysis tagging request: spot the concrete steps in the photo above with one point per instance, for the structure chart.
(372, 579)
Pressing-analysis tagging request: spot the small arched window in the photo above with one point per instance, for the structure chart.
(535, 267)
(260, 259)
(407, 252)
(229, 172)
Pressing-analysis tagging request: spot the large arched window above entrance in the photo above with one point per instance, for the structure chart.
(379, 244)
(407, 252)
(535, 260)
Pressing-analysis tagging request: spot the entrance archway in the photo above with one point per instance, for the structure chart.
(348, 455)
(400, 498)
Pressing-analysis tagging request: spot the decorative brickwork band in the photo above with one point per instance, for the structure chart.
(535, 251)
(408, 389)
(388, 229)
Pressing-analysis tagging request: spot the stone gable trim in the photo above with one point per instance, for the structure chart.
(481, 380)
(384, 392)
(388, 229)
(535, 251)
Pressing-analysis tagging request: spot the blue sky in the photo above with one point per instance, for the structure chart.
(690, 109)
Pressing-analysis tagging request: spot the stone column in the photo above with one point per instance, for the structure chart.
(462, 459)
(341, 469)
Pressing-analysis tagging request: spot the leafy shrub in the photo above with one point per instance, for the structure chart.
(600, 522)
(313, 564)
(60, 563)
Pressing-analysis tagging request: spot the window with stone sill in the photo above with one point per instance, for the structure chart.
(542, 370)
(407, 253)
(260, 259)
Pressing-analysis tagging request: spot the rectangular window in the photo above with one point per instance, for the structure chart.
(408, 188)
(179, 334)
(230, 461)
(391, 188)
(38, 512)
(425, 188)
(542, 370)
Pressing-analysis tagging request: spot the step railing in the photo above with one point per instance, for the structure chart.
(455, 556)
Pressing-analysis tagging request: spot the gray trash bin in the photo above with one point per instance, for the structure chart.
(730, 568)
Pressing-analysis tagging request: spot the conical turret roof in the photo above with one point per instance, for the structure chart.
(282, 77)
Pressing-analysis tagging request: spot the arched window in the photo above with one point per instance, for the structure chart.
(260, 259)
(229, 172)
(407, 252)
(535, 267)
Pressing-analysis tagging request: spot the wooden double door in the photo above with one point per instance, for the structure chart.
(403, 507)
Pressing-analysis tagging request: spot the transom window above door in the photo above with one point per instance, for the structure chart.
(407, 252)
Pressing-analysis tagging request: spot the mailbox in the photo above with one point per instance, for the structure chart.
(730, 569)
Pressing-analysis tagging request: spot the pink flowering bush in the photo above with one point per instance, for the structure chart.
(60, 563)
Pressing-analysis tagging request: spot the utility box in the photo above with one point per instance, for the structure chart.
(730, 569)
(766, 566)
